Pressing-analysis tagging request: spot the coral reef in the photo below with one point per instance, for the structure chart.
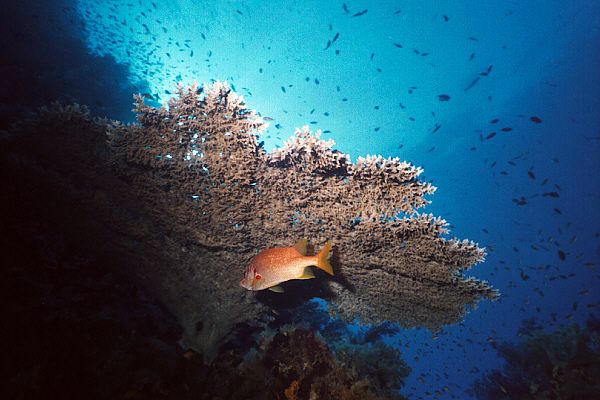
(76, 330)
(564, 364)
(363, 349)
(185, 198)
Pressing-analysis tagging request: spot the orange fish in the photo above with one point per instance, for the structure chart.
(270, 267)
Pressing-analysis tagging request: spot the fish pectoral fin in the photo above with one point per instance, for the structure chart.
(307, 274)
(276, 289)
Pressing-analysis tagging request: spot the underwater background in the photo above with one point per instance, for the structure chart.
(498, 102)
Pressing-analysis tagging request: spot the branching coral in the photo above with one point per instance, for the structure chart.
(188, 195)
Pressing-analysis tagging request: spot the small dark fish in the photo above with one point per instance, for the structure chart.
(535, 119)
(487, 72)
(345, 7)
(337, 35)
(550, 194)
(491, 135)
(443, 97)
(473, 38)
(506, 129)
(397, 12)
(470, 85)
(557, 210)
(494, 121)
(431, 149)
(328, 44)
(436, 128)
(147, 96)
(445, 18)
(472, 56)
(283, 89)
(530, 174)
(562, 255)
(523, 275)
(358, 14)
(398, 45)
(372, 55)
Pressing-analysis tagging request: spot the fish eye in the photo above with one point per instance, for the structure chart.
(257, 276)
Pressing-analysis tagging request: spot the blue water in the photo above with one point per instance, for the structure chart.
(376, 90)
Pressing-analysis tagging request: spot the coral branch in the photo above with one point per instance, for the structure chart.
(189, 195)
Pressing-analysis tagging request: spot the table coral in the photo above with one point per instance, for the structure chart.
(188, 196)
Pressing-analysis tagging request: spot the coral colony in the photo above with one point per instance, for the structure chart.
(189, 196)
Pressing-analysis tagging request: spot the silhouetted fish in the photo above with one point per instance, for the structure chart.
(473, 83)
(535, 119)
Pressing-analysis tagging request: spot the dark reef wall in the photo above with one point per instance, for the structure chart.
(563, 364)
(44, 58)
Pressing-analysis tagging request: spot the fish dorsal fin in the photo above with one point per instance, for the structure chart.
(300, 246)
(307, 274)
(276, 289)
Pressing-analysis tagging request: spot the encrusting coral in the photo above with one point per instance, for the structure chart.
(189, 196)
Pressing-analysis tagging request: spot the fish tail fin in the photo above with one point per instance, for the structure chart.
(323, 258)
